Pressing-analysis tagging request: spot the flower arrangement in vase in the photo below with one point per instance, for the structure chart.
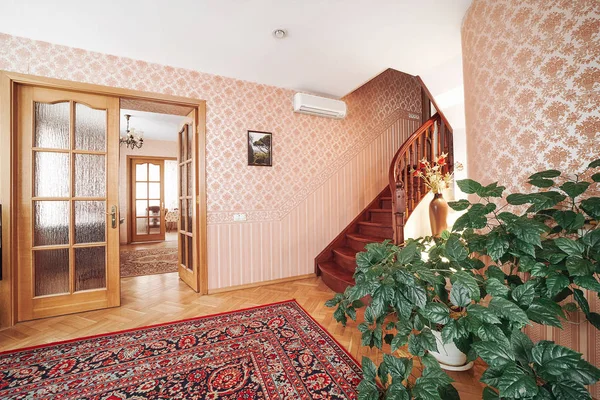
(436, 180)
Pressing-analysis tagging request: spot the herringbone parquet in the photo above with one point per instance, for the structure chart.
(147, 300)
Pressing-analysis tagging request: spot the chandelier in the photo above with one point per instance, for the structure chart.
(132, 139)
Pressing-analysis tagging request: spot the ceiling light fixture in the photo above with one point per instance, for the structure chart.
(279, 33)
(132, 138)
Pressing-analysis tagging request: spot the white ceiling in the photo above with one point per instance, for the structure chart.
(333, 46)
(154, 125)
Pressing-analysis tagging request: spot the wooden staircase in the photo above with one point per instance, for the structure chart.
(336, 264)
(385, 217)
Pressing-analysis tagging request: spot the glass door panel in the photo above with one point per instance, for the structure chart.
(65, 252)
(147, 183)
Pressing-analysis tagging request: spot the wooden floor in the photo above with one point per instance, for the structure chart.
(154, 299)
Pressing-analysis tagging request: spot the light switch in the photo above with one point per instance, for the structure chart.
(239, 217)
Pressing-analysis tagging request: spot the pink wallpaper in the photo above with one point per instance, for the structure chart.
(532, 97)
(309, 154)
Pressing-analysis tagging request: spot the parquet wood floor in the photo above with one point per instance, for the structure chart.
(147, 300)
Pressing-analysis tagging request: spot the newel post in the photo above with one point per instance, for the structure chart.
(399, 213)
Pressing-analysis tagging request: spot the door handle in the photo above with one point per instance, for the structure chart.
(113, 216)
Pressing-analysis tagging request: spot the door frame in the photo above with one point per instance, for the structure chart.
(129, 172)
(8, 169)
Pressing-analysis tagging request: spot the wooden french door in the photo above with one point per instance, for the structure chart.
(67, 189)
(188, 202)
(148, 193)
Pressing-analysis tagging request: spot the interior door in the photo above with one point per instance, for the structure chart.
(148, 199)
(67, 189)
(188, 206)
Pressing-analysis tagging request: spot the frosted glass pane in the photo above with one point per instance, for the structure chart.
(51, 174)
(51, 271)
(90, 128)
(190, 254)
(183, 248)
(154, 230)
(189, 179)
(154, 174)
(182, 184)
(141, 190)
(90, 221)
(155, 216)
(90, 175)
(52, 124)
(154, 190)
(170, 184)
(189, 215)
(141, 208)
(189, 144)
(90, 268)
(142, 226)
(141, 172)
(50, 223)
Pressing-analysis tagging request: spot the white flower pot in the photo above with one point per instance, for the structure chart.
(449, 356)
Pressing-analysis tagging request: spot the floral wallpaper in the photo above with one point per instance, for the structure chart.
(532, 97)
(304, 147)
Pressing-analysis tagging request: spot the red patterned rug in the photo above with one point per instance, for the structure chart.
(276, 351)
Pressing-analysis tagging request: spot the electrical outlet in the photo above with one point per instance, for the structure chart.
(239, 217)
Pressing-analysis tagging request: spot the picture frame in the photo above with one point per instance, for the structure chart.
(260, 149)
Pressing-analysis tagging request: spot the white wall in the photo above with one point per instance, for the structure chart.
(153, 148)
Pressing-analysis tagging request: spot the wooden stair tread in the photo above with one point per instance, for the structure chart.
(332, 269)
(375, 224)
(346, 252)
(366, 239)
(386, 198)
(381, 210)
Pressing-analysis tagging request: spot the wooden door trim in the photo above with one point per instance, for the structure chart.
(129, 172)
(8, 160)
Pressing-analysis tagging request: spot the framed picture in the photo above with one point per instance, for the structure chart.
(260, 148)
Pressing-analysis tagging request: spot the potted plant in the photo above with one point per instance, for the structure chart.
(550, 236)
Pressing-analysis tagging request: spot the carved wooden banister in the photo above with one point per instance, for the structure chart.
(429, 141)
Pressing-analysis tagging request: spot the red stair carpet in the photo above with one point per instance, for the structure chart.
(275, 351)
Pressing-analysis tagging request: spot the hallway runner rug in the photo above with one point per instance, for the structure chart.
(275, 351)
(148, 261)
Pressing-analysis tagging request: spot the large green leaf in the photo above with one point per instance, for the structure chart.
(553, 359)
(492, 333)
(587, 282)
(569, 246)
(521, 346)
(448, 392)
(515, 383)
(454, 330)
(495, 354)
(550, 173)
(496, 288)
(408, 253)
(495, 272)
(524, 294)
(497, 244)
(414, 345)
(509, 310)
(455, 250)
(570, 390)
(574, 189)
(459, 205)
(555, 282)
(491, 376)
(367, 390)
(428, 340)
(592, 207)
(544, 311)
(416, 295)
(584, 373)
(596, 177)
(578, 266)
(542, 183)
(490, 394)
(469, 186)
(369, 368)
(396, 367)
(460, 295)
(397, 391)
(581, 300)
(426, 389)
(569, 220)
(491, 190)
(467, 280)
(437, 313)
(594, 164)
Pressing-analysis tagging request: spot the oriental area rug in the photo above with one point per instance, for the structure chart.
(276, 351)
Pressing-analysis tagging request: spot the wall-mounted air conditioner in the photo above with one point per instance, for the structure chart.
(319, 106)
